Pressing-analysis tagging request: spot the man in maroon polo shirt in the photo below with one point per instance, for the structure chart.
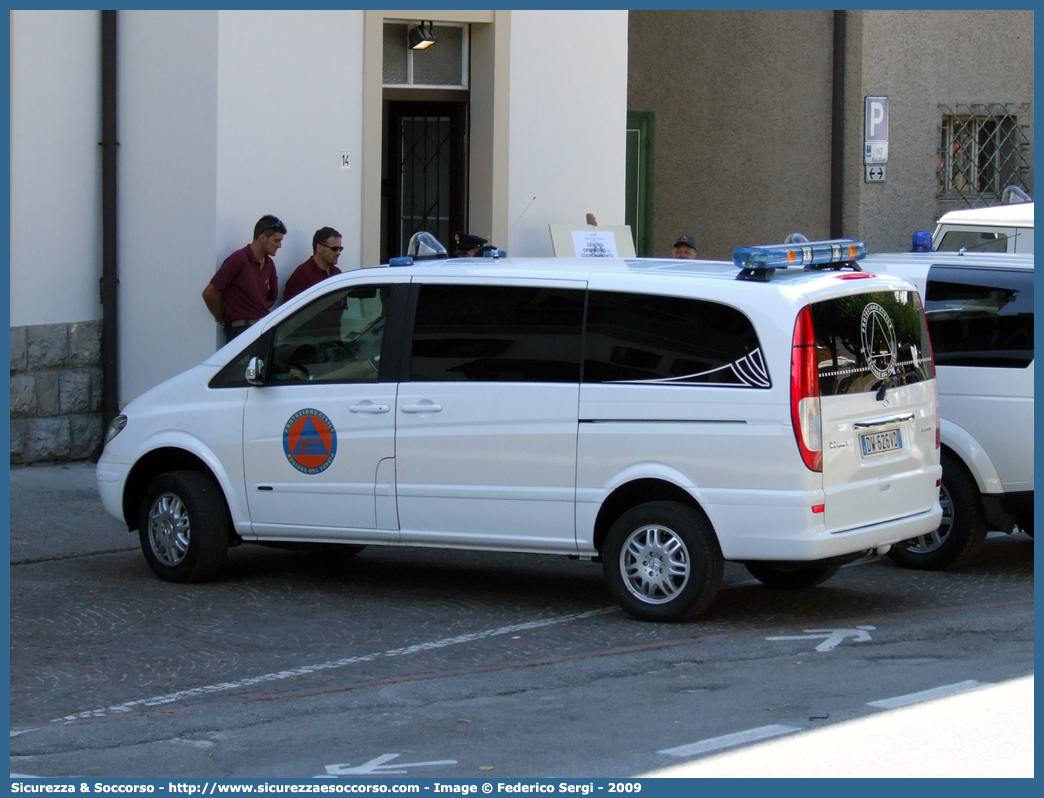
(246, 286)
(326, 250)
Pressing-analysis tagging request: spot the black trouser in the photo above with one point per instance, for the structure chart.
(232, 330)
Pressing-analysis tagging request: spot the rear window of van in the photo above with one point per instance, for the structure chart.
(863, 340)
(980, 317)
(664, 340)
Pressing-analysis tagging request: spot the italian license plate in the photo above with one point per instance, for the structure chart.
(880, 442)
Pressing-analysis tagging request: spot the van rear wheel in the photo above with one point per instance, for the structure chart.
(963, 528)
(662, 561)
(183, 527)
(785, 578)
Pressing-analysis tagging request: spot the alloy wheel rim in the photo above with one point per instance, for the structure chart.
(937, 537)
(169, 529)
(654, 563)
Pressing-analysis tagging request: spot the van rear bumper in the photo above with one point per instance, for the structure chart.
(809, 545)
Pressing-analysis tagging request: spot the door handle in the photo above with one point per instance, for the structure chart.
(368, 407)
(424, 406)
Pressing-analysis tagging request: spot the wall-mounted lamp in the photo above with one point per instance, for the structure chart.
(421, 37)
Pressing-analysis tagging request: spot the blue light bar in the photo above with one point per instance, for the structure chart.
(809, 253)
(405, 260)
(494, 253)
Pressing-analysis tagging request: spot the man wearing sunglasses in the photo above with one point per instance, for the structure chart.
(246, 286)
(326, 250)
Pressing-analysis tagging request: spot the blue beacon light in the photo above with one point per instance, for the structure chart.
(808, 253)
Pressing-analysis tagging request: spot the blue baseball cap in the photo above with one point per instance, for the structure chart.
(687, 241)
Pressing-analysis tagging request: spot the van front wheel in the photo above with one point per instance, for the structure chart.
(662, 561)
(183, 527)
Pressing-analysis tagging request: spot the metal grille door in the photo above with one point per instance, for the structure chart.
(425, 177)
(426, 151)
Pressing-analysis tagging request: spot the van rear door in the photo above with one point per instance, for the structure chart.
(878, 405)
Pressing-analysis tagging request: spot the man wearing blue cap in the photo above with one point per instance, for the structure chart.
(685, 247)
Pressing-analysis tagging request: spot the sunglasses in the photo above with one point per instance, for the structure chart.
(335, 249)
(274, 224)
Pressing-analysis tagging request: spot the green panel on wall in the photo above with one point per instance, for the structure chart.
(638, 185)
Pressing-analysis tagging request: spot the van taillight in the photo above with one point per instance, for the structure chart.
(804, 393)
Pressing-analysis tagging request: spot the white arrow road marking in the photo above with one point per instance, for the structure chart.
(377, 766)
(832, 637)
(926, 695)
(728, 740)
(306, 670)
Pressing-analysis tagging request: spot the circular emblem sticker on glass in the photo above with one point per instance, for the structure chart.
(309, 441)
(879, 345)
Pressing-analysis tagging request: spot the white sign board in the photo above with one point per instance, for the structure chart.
(604, 241)
(594, 244)
(875, 152)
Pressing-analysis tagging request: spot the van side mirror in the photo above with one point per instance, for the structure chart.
(255, 371)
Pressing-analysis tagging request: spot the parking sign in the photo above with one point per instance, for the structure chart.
(876, 119)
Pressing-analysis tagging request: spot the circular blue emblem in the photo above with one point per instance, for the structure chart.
(309, 441)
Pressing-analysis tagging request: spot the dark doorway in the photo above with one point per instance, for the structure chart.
(426, 172)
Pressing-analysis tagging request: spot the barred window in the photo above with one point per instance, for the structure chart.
(984, 148)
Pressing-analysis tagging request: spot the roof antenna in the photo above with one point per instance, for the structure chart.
(519, 219)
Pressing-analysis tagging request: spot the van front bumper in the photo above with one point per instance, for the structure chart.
(111, 478)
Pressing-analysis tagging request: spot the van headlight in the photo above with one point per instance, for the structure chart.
(115, 428)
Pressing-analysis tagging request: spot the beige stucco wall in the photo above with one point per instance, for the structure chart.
(55, 167)
(919, 59)
(567, 126)
(742, 105)
(742, 130)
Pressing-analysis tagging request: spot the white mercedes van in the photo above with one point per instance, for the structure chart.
(662, 416)
(1001, 228)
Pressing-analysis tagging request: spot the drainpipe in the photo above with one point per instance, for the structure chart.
(837, 129)
(110, 274)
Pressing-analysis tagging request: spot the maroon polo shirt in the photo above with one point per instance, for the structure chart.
(246, 287)
(305, 276)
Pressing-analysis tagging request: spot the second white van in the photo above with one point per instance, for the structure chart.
(1002, 228)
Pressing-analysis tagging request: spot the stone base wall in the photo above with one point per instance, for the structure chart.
(56, 392)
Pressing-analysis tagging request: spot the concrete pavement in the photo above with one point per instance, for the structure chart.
(56, 513)
(988, 731)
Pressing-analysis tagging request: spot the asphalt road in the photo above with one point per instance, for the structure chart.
(445, 664)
